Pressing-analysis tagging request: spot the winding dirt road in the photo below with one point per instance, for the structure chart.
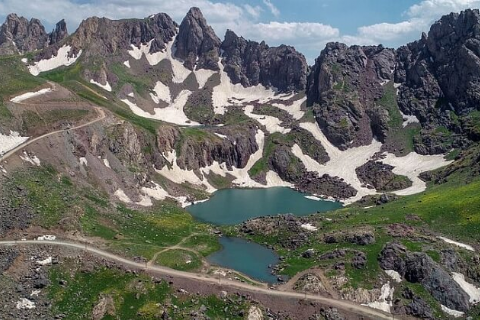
(28, 142)
(340, 304)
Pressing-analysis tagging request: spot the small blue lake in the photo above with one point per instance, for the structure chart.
(246, 257)
(233, 206)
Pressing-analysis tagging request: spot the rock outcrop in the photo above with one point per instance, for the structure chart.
(197, 44)
(18, 35)
(345, 87)
(418, 267)
(251, 63)
(102, 36)
(59, 33)
(380, 176)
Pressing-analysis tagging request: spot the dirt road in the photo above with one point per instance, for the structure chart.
(340, 304)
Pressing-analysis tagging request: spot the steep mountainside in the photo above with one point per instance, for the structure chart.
(18, 35)
(145, 116)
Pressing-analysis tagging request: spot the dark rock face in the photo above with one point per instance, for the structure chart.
(420, 268)
(417, 307)
(441, 70)
(59, 33)
(18, 35)
(343, 87)
(196, 39)
(102, 36)
(381, 177)
(251, 63)
(196, 152)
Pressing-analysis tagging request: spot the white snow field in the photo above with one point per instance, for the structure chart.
(309, 227)
(343, 163)
(408, 119)
(10, 142)
(24, 303)
(394, 275)
(105, 86)
(172, 114)
(453, 313)
(458, 244)
(294, 110)
(385, 301)
(411, 166)
(32, 159)
(61, 59)
(469, 288)
(227, 93)
(29, 95)
(161, 92)
(271, 123)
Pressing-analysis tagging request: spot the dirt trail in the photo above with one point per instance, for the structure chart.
(158, 270)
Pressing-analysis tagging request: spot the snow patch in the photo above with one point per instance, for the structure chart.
(271, 123)
(202, 76)
(469, 288)
(61, 59)
(157, 192)
(309, 227)
(47, 237)
(294, 109)
(131, 95)
(106, 163)
(408, 119)
(454, 313)
(220, 135)
(120, 194)
(24, 60)
(385, 301)
(45, 262)
(35, 293)
(172, 114)
(29, 95)
(24, 303)
(127, 64)
(32, 159)
(394, 275)
(10, 142)
(83, 161)
(161, 92)
(227, 93)
(459, 244)
(313, 198)
(106, 86)
(411, 166)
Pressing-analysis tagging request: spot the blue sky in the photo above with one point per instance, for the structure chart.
(306, 24)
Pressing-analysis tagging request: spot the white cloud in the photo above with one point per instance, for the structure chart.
(419, 19)
(253, 11)
(293, 31)
(274, 10)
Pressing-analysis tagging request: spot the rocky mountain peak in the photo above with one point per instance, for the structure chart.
(251, 63)
(197, 44)
(17, 34)
(59, 33)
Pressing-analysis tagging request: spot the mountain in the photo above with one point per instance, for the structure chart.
(149, 116)
(18, 35)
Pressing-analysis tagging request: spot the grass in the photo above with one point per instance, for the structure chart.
(389, 102)
(131, 296)
(179, 259)
(15, 77)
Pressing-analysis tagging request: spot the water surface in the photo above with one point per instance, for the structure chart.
(233, 206)
(246, 257)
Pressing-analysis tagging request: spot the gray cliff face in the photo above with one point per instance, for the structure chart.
(420, 268)
(344, 87)
(59, 33)
(102, 36)
(18, 35)
(196, 43)
(251, 63)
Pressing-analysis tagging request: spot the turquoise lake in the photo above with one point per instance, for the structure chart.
(233, 206)
(246, 257)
